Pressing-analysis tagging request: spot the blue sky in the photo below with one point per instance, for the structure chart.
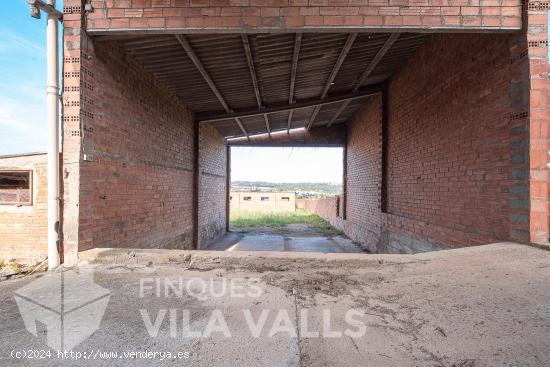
(23, 126)
(22, 79)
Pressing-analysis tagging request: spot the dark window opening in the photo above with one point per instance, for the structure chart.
(247, 198)
(15, 187)
(285, 198)
(264, 198)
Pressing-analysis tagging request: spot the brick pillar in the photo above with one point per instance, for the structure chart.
(539, 118)
(530, 128)
(72, 60)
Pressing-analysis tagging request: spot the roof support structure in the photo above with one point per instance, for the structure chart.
(198, 64)
(365, 92)
(289, 121)
(295, 58)
(365, 74)
(343, 54)
(267, 127)
(241, 126)
(184, 42)
(250, 62)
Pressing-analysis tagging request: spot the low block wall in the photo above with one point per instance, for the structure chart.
(327, 208)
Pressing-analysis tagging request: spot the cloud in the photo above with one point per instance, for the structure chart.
(11, 41)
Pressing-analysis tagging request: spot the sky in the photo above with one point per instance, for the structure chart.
(319, 165)
(23, 124)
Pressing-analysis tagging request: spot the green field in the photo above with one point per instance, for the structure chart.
(242, 219)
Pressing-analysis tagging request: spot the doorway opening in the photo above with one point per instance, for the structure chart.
(286, 199)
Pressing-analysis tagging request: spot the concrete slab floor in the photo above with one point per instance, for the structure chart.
(480, 306)
(300, 238)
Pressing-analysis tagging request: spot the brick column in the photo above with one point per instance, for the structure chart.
(539, 118)
(72, 134)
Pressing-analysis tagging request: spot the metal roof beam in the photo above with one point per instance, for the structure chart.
(198, 64)
(364, 92)
(250, 62)
(289, 121)
(338, 112)
(336, 68)
(295, 58)
(368, 71)
(241, 126)
(267, 127)
(387, 45)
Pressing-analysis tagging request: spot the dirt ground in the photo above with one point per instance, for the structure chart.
(480, 306)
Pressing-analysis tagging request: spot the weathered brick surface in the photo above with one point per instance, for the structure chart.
(137, 189)
(23, 229)
(538, 89)
(449, 147)
(449, 141)
(135, 158)
(212, 184)
(364, 175)
(129, 156)
(497, 127)
(295, 14)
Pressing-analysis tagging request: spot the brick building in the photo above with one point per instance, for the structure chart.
(262, 201)
(442, 108)
(23, 207)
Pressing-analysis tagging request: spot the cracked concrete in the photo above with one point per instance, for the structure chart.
(479, 306)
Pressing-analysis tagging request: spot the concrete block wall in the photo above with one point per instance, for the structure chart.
(23, 229)
(296, 14)
(326, 208)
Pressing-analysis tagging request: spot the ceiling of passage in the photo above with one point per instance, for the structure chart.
(247, 84)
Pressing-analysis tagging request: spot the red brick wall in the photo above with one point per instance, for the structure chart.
(23, 229)
(212, 184)
(364, 175)
(448, 138)
(141, 143)
(134, 148)
(450, 157)
(538, 107)
(295, 14)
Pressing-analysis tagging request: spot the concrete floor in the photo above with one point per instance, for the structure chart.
(287, 242)
(481, 306)
(291, 238)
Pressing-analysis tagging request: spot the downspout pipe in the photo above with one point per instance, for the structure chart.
(52, 92)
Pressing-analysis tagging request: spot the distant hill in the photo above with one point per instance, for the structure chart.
(302, 189)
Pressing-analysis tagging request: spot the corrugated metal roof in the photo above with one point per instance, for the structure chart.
(224, 60)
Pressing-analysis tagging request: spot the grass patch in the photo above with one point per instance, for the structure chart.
(279, 220)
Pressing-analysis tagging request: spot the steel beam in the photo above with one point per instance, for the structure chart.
(250, 62)
(365, 92)
(335, 69)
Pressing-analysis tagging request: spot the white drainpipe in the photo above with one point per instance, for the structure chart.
(52, 90)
